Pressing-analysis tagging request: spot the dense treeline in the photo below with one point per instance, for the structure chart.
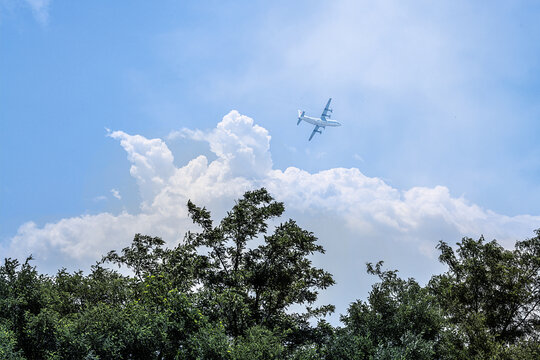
(227, 291)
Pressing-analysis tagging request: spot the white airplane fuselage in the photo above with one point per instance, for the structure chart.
(318, 121)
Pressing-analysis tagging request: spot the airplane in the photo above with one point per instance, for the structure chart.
(319, 123)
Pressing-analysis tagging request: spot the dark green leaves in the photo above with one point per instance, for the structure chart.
(490, 294)
(227, 292)
(258, 276)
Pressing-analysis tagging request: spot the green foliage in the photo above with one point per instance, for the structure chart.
(23, 294)
(143, 257)
(258, 343)
(250, 286)
(8, 343)
(491, 296)
(400, 319)
(486, 306)
(226, 293)
(209, 342)
(523, 350)
(349, 344)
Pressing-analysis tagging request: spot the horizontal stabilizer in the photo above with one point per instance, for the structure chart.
(300, 116)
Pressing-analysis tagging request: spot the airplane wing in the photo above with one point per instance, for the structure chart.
(316, 130)
(326, 112)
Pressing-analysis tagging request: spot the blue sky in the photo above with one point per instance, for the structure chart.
(439, 104)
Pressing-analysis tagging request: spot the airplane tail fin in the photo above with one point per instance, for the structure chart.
(300, 115)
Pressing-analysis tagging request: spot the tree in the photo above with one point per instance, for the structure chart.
(223, 293)
(399, 320)
(490, 294)
(248, 284)
(226, 292)
(242, 279)
(23, 296)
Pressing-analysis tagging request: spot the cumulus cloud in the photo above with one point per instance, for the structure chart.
(152, 162)
(242, 146)
(358, 218)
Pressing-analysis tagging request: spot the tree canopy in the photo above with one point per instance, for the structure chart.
(227, 292)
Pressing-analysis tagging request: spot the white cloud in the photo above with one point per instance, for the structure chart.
(242, 146)
(152, 162)
(40, 9)
(358, 157)
(116, 194)
(358, 218)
